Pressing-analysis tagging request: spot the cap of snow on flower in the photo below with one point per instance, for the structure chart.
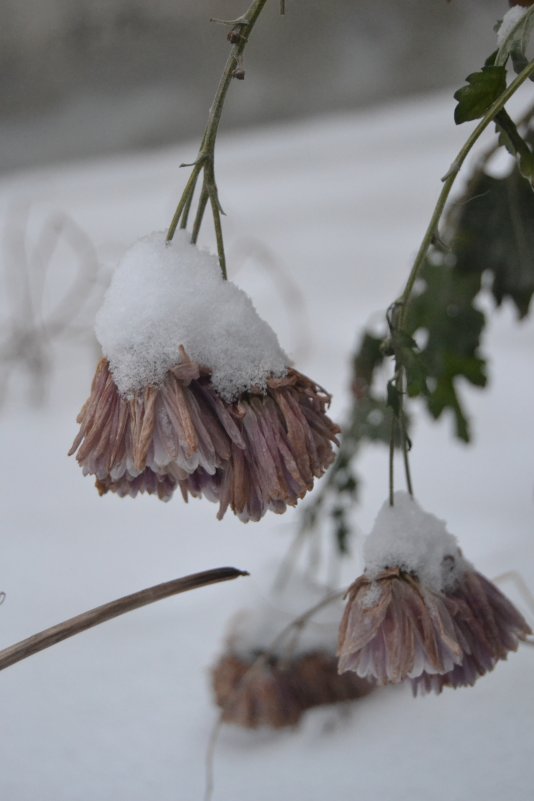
(194, 391)
(421, 611)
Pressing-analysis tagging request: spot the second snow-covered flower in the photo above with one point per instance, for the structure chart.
(420, 611)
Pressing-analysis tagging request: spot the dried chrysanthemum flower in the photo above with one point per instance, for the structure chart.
(280, 659)
(488, 627)
(264, 690)
(228, 419)
(394, 628)
(420, 611)
(260, 452)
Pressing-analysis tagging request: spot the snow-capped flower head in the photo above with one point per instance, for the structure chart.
(194, 391)
(420, 611)
(265, 679)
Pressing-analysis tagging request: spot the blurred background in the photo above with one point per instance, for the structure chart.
(94, 77)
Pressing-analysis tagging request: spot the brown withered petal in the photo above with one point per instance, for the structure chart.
(261, 452)
(275, 692)
(488, 627)
(393, 628)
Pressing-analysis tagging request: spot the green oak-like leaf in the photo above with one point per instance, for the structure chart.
(449, 326)
(482, 89)
(495, 234)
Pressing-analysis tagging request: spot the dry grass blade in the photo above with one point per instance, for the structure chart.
(75, 625)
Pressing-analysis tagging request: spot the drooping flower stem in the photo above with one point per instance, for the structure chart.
(75, 625)
(448, 182)
(397, 312)
(239, 34)
(399, 430)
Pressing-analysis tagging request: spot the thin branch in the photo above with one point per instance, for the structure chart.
(75, 625)
(448, 181)
(239, 34)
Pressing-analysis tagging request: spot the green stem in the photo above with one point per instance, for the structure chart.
(241, 29)
(448, 182)
(509, 128)
(392, 459)
(405, 445)
(185, 200)
(203, 200)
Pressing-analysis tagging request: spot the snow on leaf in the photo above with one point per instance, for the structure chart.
(514, 34)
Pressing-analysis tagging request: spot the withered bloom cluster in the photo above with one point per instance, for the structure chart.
(260, 452)
(270, 691)
(394, 628)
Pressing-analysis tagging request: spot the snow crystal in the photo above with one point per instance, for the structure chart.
(407, 537)
(509, 21)
(163, 295)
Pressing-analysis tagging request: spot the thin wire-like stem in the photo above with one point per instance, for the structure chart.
(406, 455)
(240, 30)
(391, 461)
(186, 198)
(75, 625)
(186, 210)
(448, 182)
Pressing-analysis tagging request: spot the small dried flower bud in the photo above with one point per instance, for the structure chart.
(239, 74)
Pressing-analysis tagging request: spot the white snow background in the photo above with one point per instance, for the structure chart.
(335, 209)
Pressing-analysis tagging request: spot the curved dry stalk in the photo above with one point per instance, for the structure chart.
(75, 625)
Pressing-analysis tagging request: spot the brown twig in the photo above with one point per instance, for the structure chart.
(75, 625)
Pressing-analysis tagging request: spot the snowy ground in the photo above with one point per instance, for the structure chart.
(323, 219)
